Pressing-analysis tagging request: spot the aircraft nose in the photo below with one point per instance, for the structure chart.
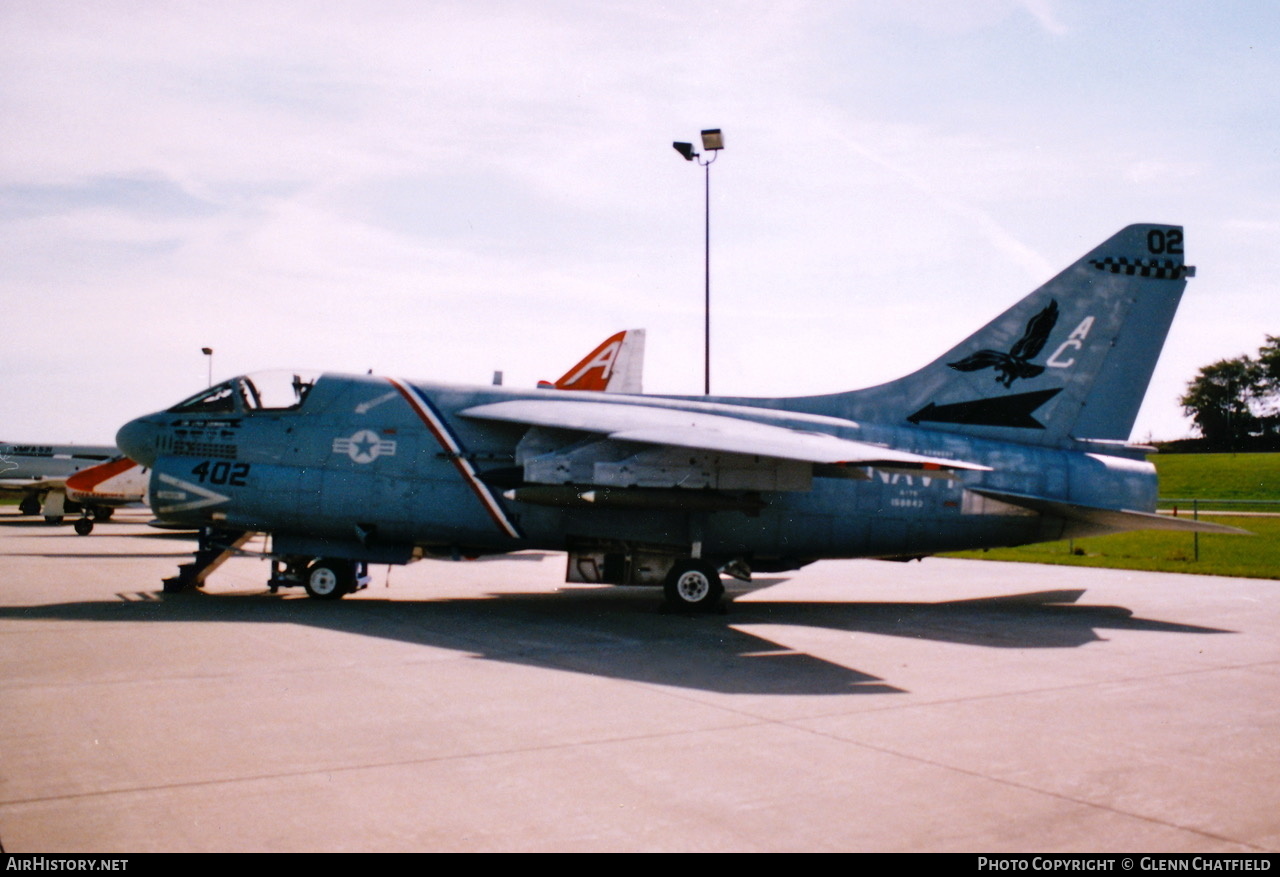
(137, 439)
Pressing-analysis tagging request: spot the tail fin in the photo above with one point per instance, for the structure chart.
(616, 366)
(1070, 361)
(118, 480)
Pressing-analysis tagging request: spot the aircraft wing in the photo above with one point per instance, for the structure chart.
(650, 424)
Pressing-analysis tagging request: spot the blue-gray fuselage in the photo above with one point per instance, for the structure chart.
(337, 467)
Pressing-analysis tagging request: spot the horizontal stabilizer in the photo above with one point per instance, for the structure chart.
(648, 424)
(1116, 519)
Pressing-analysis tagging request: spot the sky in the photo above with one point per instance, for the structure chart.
(438, 190)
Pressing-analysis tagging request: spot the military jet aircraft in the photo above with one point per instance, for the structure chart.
(1017, 435)
(39, 473)
(101, 489)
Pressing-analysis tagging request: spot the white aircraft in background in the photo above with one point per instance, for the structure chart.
(39, 472)
(100, 489)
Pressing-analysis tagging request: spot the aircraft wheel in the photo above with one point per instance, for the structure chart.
(693, 584)
(84, 526)
(329, 579)
(103, 513)
(30, 505)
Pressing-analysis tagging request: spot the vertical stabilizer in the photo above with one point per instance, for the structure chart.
(1070, 361)
(616, 366)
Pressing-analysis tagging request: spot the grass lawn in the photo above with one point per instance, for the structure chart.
(1256, 556)
(1219, 476)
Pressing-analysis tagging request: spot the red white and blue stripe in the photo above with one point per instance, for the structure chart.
(428, 414)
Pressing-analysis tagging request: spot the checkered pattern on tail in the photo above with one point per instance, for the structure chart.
(1160, 269)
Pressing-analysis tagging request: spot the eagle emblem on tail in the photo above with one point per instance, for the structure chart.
(1015, 364)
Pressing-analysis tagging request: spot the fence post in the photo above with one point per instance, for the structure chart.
(1195, 516)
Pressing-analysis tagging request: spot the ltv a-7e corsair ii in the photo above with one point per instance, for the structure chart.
(1016, 435)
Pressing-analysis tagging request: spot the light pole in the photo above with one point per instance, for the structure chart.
(712, 142)
(208, 354)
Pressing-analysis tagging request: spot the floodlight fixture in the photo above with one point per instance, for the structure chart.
(712, 139)
(685, 149)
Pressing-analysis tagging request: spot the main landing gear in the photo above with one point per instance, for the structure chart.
(693, 584)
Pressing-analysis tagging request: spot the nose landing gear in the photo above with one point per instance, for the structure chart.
(324, 578)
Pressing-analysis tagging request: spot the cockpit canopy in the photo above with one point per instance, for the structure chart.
(278, 390)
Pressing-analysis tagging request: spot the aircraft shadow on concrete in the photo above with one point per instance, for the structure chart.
(619, 632)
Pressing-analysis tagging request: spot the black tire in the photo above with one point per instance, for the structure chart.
(693, 584)
(329, 579)
(30, 505)
(84, 526)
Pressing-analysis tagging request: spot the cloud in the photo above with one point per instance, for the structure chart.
(1043, 13)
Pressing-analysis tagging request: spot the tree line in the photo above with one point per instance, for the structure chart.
(1235, 403)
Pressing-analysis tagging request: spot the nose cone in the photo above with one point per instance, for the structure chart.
(137, 439)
